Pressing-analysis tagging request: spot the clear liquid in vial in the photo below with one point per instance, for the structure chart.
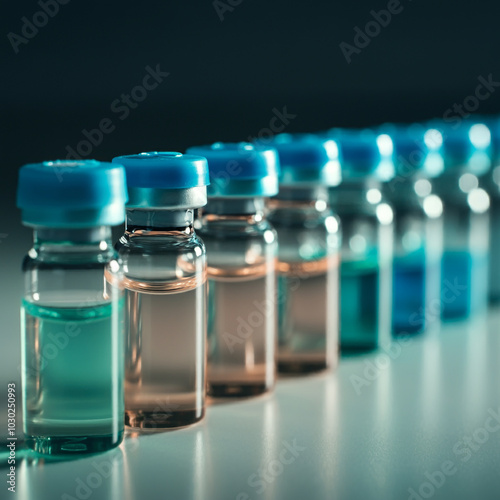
(165, 354)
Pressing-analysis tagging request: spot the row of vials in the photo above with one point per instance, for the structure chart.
(307, 242)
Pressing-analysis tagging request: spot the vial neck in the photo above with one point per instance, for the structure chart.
(455, 183)
(354, 191)
(234, 206)
(302, 195)
(159, 220)
(77, 242)
(402, 189)
(80, 236)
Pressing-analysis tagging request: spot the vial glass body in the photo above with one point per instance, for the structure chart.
(418, 234)
(308, 281)
(366, 264)
(165, 291)
(241, 250)
(464, 272)
(491, 182)
(72, 342)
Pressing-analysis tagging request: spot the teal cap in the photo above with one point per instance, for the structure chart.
(364, 153)
(165, 180)
(72, 194)
(239, 170)
(493, 124)
(306, 159)
(164, 169)
(417, 149)
(466, 146)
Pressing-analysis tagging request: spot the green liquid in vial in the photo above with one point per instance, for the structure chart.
(359, 304)
(73, 377)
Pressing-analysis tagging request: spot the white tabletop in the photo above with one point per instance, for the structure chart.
(374, 429)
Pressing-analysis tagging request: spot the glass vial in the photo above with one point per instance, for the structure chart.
(418, 229)
(72, 319)
(308, 255)
(165, 290)
(367, 233)
(241, 253)
(464, 280)
(490, 181)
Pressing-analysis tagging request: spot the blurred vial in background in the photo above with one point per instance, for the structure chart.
(241, 253)
(308, 255)
(490, 181)
(418, 230)
(367, 232)
(165, 282)
(464, 282)
(72, 319)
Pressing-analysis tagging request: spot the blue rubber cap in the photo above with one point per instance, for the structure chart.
(493, 123)
(240, 169)
(364, 153)
(72, 194)
(164, 170)
(417, 148)
(466, 146)
(307, 159)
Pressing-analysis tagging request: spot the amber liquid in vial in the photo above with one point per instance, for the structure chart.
(308, 312)
(241, 331)
(165, 353)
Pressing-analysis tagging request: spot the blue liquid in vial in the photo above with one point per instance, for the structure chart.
(73, 388)
(408, 298)
(456, 284)
(359, 305)
(494, 261)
